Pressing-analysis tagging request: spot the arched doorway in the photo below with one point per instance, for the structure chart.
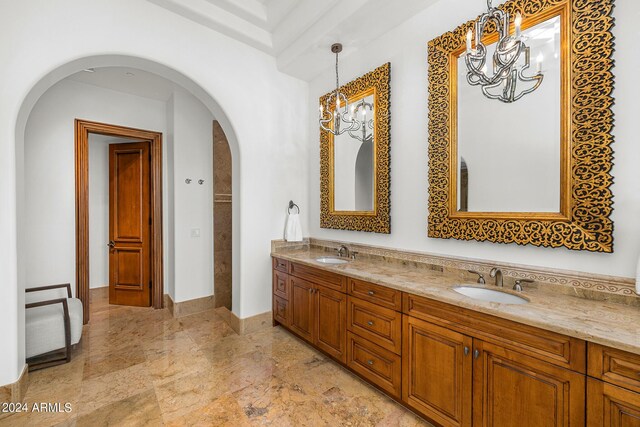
(111, 60)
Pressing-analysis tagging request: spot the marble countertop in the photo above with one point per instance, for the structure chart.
(606, 323)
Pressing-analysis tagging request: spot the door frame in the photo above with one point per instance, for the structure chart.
(82, 130)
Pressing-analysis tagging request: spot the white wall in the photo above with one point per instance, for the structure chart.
(224, 74)
(406, 48)
(50, 176)
(98, 212)
(193, 203)
(188, 261)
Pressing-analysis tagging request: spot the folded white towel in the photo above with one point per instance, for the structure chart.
(293, 229)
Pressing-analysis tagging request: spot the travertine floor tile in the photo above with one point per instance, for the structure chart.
(139, 366)
(138, 410)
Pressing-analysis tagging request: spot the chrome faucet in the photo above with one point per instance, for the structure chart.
(343, 251)
(497, 273)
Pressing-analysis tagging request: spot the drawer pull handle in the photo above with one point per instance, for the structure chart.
(370, 361)
(371, 293)
(370, 323)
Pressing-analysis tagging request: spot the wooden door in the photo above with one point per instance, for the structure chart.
(331, 322)
(611, 406)
(437, 372)
(130, 224)
(301, 302)
(510, 389)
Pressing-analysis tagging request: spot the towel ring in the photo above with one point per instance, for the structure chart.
(291, 206)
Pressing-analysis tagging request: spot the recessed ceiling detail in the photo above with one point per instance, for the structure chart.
(298, 33)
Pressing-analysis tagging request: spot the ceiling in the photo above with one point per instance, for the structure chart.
(298, 33)
(128, 80)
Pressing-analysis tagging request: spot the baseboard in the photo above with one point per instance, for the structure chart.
(15, 392)
(246, 325)
(168, 303)
(185, 308)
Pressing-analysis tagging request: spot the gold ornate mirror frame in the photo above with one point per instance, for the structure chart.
(583, 222)
(376, 82)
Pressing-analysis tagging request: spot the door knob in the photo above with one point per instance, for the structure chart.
(111, 243)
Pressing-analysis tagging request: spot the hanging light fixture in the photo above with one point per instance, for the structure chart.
(511, 59)
(339, 120)
(364, 130)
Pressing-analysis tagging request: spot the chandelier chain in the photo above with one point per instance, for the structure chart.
(337, 81)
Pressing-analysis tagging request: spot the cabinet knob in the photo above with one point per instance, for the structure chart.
(371, 293)
(476, 353)
(370, 361)
(370, 323)
(466, 351)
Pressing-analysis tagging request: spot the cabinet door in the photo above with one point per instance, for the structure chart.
(611, 406)
(509, 386)
(437, 372)
(331, 322)
(301, 305)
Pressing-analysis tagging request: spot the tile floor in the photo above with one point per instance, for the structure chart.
(137, 366)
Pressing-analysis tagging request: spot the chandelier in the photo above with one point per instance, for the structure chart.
(364, 130)
(339, 120)
(511, 59)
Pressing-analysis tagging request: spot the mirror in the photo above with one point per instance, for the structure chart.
(354, 166)
(511, 164)
(537, 170)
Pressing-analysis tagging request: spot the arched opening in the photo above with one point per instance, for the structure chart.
(97, 62)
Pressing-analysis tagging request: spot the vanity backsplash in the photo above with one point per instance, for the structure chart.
(583, 285)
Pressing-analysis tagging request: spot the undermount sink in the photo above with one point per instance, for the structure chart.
(490, 295)
(331, 260)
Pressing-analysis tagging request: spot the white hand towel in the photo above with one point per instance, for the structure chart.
(293, 230)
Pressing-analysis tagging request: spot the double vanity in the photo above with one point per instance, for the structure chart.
(461, 353)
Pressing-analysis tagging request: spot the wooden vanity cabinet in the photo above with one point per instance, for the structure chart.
(609, 405)
(509, 386)
(281, 291)
(331, 322)
(302, 308)
(517, 374)
(613, 389)
(437, 372)
(455, 366)
(319, 315)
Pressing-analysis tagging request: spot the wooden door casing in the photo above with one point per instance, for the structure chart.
(331, 322)
(509, 386)
(437, 372)
(83, 128)
(611, 406)
(130, 224)
(302, 308)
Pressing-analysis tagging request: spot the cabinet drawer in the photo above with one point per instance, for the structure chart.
(320, 277)
(380, 366)
(281, 310)
(281, 265)
(379, 325)
(376, 294)
(614, 366)
(281, 284)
